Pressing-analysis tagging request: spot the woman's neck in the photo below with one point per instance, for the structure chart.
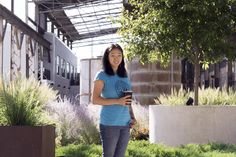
(115, 70)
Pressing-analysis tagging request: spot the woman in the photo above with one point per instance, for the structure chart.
(116, 117)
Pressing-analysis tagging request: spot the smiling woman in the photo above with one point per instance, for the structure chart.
(116, 117)
(115, 58)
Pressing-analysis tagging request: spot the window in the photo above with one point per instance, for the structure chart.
(68, 70)
(58, 65)
(72, 71)
(49, 25)
(55, 30)
(75, 73)
(6, 3)
(46, 55)
(63, 68)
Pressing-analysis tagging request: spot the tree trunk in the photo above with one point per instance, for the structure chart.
(196, 80)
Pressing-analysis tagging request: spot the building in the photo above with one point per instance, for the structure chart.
(221, 74)
(29, 48)
(38, 41)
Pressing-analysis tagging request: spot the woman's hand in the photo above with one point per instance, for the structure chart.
(132, 122)
(125, 100)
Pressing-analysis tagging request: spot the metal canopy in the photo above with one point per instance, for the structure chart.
(82, 19)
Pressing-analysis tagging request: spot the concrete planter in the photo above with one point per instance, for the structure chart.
(179, 125)
(27, 141)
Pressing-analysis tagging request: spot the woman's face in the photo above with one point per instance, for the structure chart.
(115, 58)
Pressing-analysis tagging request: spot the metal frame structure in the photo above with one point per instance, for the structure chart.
(21, 32)
(81, 19)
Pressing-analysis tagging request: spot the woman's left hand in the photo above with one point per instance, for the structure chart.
(132, 122)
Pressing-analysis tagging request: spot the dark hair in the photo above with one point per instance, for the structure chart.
(121, 71)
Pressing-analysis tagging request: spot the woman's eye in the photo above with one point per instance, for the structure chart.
(116, 56)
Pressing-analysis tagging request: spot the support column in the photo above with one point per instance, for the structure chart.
(32, 58)
(16, 43)
(40, 62)
(36, 61)
(71, 44)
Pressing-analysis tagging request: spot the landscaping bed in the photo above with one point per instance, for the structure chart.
(145, 149)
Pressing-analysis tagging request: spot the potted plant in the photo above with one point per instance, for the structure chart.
(24, 131)
(203, 32)
(174, 123)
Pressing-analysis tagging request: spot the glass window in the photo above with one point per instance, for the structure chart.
(72, 71)
(6, 3)
(55, 30)
(31, 14)
(68, 70)
(75, 73)
(19, 9)
(49, 25)
(46, 55)
(58, 65)
(63, 68)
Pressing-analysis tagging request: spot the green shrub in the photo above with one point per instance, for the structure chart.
(145, 149)
(80, 150)
(208, 96)
(22, 101)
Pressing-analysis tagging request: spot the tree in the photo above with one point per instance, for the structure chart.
(200, 30)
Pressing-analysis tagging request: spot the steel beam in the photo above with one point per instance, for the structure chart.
(98, 33)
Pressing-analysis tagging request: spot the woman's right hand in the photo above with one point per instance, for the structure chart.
(125, 100)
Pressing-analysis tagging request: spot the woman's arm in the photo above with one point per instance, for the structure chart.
(131, 112)
(97, 99)
(133, 120)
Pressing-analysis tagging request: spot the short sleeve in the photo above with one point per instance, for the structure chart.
(100, 76)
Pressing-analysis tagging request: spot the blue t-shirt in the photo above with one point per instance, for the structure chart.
(114, 115)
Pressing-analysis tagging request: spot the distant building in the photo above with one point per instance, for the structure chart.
(222, 75)
(60, 67)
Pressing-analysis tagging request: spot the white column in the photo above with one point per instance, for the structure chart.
(36, 60)
(15, 53)
(40, 62)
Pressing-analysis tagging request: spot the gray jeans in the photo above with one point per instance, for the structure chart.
(114, 140)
